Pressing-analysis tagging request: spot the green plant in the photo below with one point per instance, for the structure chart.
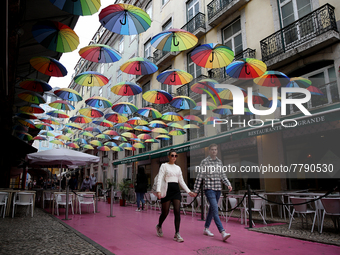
(110, 183)
(124, 186)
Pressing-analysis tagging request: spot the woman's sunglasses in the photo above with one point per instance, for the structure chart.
(173, 155)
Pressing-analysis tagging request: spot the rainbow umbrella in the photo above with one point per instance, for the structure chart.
(177, 132)
(223, 110)
(49, 120)
(31, 97)
(226, 94)
(269, 104)
(138, 145)
(207, 86)
(130, 148)
(163, 137)
(124, 126)
(48, 66)
(149, 113)
(80, 140)
(193, 118)
(246, 68)
(85, 133)
(144, 136)
(103, 123)
(258, 98)
(72, 145)
(68, 94)
(74, 126)
(91, 112)
(272, 79)
(24, 136)
(124, 108)
(62, 105)
(55, 36)
(27, 123)
(103, 136)
(174, 77)
(35, 85)
(100, 53)
(58, 114)
(299, 82)
(87, 146)
(96, 143)
(25, 115)
(116, 117)
(44, 126)
(137, 121)
(31, 109)
(120, 138)
(68, 130)
(103, 148)
(93, 129)
(110, 132)
(175, 125)
(151, 141)
(142, 129)
(174, 39)
(156, 96)
(63, 137)
(47, 133)
(172, 116)
(112, 144)
(125, 145)
(210, 106)
(40, 138)
(129, 135)
(183, 102)
(190, 126)
(90, 79)
(98, 102)
(137, 140)
(212, 120)
(124, 19)
(117, 148)
(138, 66)
(80, 119)
(57, 142)
(126, 88)
(78, 7)
(315, 91)
(212, 55)
(160, 130)
(157, 123)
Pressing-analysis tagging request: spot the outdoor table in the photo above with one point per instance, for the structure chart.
(82, 193)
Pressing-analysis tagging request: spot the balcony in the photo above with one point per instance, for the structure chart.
(218, 10)
(186, 91)
(196, 25)
(311, 33)
(161, 58)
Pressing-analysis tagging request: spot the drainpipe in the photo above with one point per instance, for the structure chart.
(281, 26)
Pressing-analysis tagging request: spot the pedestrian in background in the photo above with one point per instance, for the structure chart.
(93, 180)
(86, 184)
(141, 187)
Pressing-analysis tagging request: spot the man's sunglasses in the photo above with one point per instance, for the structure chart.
(173, 155)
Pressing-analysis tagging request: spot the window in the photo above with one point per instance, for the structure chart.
(165, 143)
(193, 133)
(193, 69)
(164, 2)
(193, 7)
(232, 37)
(147, 148)
(119, 75)
(121, 45)
(145, 88)
(167, 25)
(148, 9)
(147, 49)
(128, 172)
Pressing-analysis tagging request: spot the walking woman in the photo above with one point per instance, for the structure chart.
(172, 175)
(141, 187)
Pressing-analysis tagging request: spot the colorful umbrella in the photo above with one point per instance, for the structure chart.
(62, 105)
(63, 137)
(85, 133)
(183, 102)
(223, 110)
(58, 114)
(78, 7)
(44, 126)
(68, 130)
(124, 108)
(68, 94)
(98, 102)
(124, 19)
(174, 77)
(57, 142)
(80, 140)
(26, 115)
(174, 40)
(156, 96)
(80, 119)
(35, 85)
(151, 141)
(100, 53)
(226, 93)
(269, 104)
(177, 132)
(129, 135)
(137, 121)
(96, 143)
(91, 112)
(72, 145)
(124, 126)
(87, 146)
(117, 148)
(189, 126)
(32, 109)
(48, 66)
(138, 145)
(315, 91)
(110, 132)
(27, 123)
(175, 125)
(172, 116)
(272, 79)
(163, 137)
(258, 98)
(138, 66)
(49, 120)
(47, 133)
(116, 118)
(55, 36)
(212, 55)
(103, 123)
(40, 138)
(113, 144)
(212, 120)
(90, 79)
(103, 136)
(160, 130)
(24, 136)
(93, 129)
(31, 97)
(207, 86)
(193, 118)
(157, 123)
(210, 106)
(246, 68)
(103, 148)
(142, 129)
(144, 136)
(74, 126)
(149, 113)
(120, 138)
(299, 82)
(126, 88)
(125, 145)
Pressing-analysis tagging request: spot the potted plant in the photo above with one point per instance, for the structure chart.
(124, 186)
(109, 184)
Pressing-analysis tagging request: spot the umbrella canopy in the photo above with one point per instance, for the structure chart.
(163, 137)
(72, 145)
(73, 125)
(144, 136)
(46, 133)
(120, 138)
(49, 120)
(48, 66)
(124, 108)
(188, 126)
(31, 97)
(113, 144)
(93, 129)
(61, 105)
(100, 53)
(31, 109)
(129, 135)
(68, 94)
(138, 145)
(90, 79)
(117, 148)
(138, 66)
(156, 96)
(40, 138)
(98, 102)
(124, 126)
(125, 145)
(299, 82)
(63, 137)
(55, 36)
(272, 79)
(210, 106)
(58, 114)
(91, 112)
(57, 142)
(126, 88)
(174, 77)
(35, 85)
(44, 126)
(116, 117)
(142, 129)
(26, 115)
(212, 55)
(172, 116)
(103, 136)
(157, 123)
(226, 94)
(61, 156)
(103, 148)
(315, 91)
(193, 118)
(151, 141)
(174, 40)
(110, 132)
(96, 143)
(206, 86)
(223, 110)
(269, 104)
(78, 7)
(80, 140)
(177, 132)
(124, 19)
(149, 112)
(80, 119)
(160, 130)
(85, 133)
(258, 98)
(103, 123)
(23, 136)
(212, 120)
(137, 121)
(175, 125)
(68, 130)
(87, 146)
(183, 102)
(246, 68)
(26, 122)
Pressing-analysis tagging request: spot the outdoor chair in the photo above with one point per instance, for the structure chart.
(86, 199)
(258, 206)
(3, 203)
(302, 209)
(48, 196)
(331, 207)
(270, 207)
(61, 200)
(233, 203)
(186, 200)
(154, 201)
(22, 198)
(220, 206)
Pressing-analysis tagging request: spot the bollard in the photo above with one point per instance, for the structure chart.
(111, 203)
(97, 199)
(203, 212)
(67, 198)
(249, 208)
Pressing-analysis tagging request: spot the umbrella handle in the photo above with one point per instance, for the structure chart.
(90, 80)
(182, 103)
(212, 57)
(138, 67)
(246, 69)
(100, 104)
(124, 22)
(92, 114)
(48, 68)
(100, 54)
(125, 90)
(174, 40)
(69, 96)
(158, 98)
(174, 78)
(272, 80)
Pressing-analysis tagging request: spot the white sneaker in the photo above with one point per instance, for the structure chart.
(178, 238)
(138, 210)
(225, 236)
(159, 231)
(207, 232)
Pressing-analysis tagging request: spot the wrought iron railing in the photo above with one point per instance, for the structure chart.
(313, 24)
(186, 91)
(198, 21)
(216, 6)
(159, 54)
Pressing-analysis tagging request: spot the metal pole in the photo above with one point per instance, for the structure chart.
(67, 200)
(97, 199)
(202, 204)
(111, 203)
(249, 208)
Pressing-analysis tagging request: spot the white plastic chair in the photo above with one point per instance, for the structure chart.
(22, 198)
(86, 199)
(220, 206)
(331, 207)
(233, 203)
(154, 201)
(61, 200)
(303, 209)
(48, 196)
(3, 202)
(186, 200)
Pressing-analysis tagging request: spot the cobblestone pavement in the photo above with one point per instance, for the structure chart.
(42, 234)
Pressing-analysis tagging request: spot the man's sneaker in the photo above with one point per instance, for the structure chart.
(159, 231)
(225, 236)
(207, 232)
(138, 210)
(178, 238)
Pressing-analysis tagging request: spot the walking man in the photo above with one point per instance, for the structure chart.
(211, 176)
(93, 180)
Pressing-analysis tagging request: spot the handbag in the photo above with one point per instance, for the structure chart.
(164, 186)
